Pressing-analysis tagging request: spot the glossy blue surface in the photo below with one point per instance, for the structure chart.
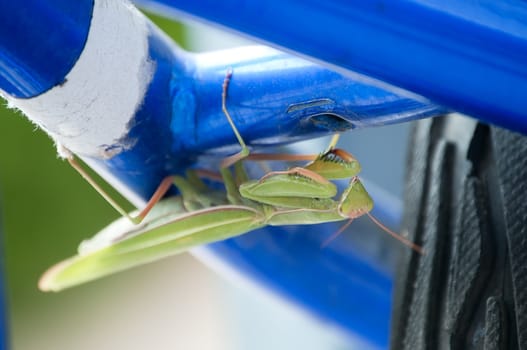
(39, 43)
(467, 55)
(274, 98)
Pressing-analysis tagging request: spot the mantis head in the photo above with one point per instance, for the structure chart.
(355, 200)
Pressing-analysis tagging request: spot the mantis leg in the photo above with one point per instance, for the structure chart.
(196, 195)
(297, 171)
(158, 194)
(195, 175)
(294, 188)
(188, 191)
(306, 187)
(333, 164)
(333, 142)
(336, 234)
(227, 162)
(156, 197)
(191, 196)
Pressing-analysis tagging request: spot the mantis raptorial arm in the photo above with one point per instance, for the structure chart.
(201, 215)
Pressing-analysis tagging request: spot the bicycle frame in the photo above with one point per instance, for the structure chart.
(187, 86)
(468, 56)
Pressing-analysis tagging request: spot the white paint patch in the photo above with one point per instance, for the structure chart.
(92, 109)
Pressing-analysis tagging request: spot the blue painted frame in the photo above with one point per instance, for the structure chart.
(467, 55)
(439, 50)
(43, 26)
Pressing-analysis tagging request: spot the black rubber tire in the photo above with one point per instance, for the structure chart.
(466, 204)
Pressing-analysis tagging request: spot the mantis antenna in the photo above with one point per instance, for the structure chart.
(397, 236)
(376, 221)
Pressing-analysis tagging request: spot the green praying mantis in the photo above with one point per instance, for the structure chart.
(201, 215)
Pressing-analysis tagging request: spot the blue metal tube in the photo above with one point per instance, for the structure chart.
(53, 34)
(274, 98)
(469, 56)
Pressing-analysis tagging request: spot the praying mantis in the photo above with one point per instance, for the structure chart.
(201, 215)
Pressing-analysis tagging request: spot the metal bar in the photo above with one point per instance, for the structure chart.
(137, 130)
(53, 33)
(276, 98)
(468, 56)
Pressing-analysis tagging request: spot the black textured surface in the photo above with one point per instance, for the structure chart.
(495, 325)
(471, 261)
(422, 321)
(512, 167)
(414, 199)
(466, 203)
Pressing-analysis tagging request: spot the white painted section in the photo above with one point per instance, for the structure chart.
(92, 109)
